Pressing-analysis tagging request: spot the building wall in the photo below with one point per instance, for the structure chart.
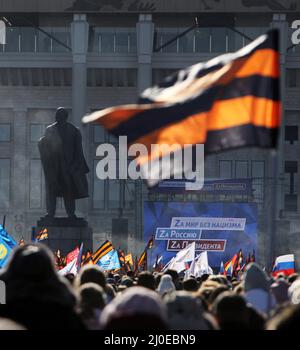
(119, 62)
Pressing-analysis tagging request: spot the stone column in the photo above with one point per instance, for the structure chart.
(277, 161)
(145, 35)
(280, 22)
(79, 34)
(19, 166)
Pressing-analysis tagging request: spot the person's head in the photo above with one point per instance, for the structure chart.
(256, 278)
(294, 292)
(137, 308)
(91, 300)
(287, 320)
(174, 275)
(190, 285)
(147, 280)
(257, 288)
(130, 274)
(166, 285)
(256, 320)
(185, 312)
(126, 281)
(70, 277)
(117, 278)
(10, 325)
(203, 278)
(61, 115)
(280, 291)
(231, 311)
(91, 273)
(157, 277)
(31, 262)
(110, 292)
(34, 289)
(216, 292)
(292, 278)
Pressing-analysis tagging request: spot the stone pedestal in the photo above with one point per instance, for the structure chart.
(65, 234)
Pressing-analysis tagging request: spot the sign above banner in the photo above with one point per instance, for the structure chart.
(148, 6)
(217, 187)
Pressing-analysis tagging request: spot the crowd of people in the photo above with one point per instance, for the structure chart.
(37, 297)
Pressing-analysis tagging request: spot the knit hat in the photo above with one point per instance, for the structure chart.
(256, 278)
(166, 285)
(134, 301)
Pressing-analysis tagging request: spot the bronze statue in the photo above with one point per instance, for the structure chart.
(64, 164)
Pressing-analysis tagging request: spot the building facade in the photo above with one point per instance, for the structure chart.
(88, 55)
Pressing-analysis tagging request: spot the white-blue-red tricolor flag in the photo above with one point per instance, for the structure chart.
(284, 264)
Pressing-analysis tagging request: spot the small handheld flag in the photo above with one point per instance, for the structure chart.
(284, 264)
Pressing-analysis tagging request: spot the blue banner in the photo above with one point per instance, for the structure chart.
(222, 229)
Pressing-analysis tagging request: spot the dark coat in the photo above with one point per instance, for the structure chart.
(63, 161)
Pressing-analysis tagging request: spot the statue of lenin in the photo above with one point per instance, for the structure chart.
(64, 164)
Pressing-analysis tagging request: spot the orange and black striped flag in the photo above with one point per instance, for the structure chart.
(230, 101)
(142, 262)
(105, 248)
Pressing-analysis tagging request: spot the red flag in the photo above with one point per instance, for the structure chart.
(72, 255)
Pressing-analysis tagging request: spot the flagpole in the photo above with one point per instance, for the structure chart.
(4, 220)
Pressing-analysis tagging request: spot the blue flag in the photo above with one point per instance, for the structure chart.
(110, 261)
(7, 238)
(7, 243)
(221, 268)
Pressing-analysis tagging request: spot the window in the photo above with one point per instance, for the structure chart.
(36, 132)
(293, 78)
(12, 39)
(132, 42)
(291, 133)
(99, 134)
(258, 182)
(98, 190)
(258, 169)
(166, 37)
(4, 183)
(241, 169)
(291, 167)
(110, 40)
(186, 42)
(107, 44)
(5, 133)
(218, 40)
(202, 40)
(129, 194)
(291, 202)
(235, 41)
(27, 39)
(114, 194)
(122, 42)
(35, 184)
(225, 169)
